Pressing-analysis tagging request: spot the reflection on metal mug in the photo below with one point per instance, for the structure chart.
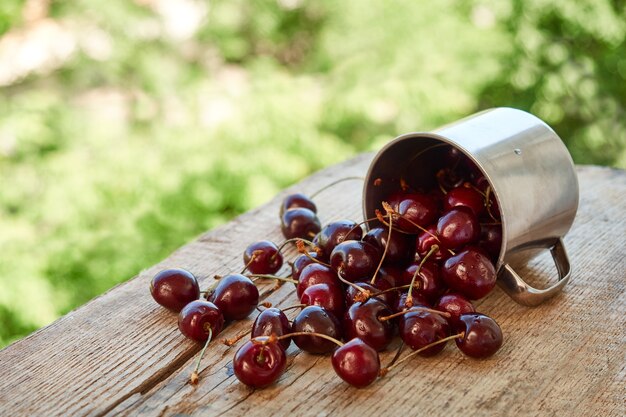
(531, 174)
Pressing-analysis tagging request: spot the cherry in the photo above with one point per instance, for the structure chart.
(315, 319)
(316, 274)
(482, 335)
(465, 196)
(418, 300)
(330, 297)
(353, 292)
(399, 248)
(452, 156)
(428, 281)
(300, 262)
(262, 257)
(458, 227)
(356, 363)
(471, 273)
(272, 321)
(421, 328)
(300, 223)
(449, 178)
(297, 200)
(200, 318)
(416, 208)
(259, 362)
(426, 240)
(491, 239)
(174, 288)
(355, 260)
(455, 304)
(236, 296)
(336, 232)
(388, 277)
(362, 321)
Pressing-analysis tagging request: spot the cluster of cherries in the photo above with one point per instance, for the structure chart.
(414, 273)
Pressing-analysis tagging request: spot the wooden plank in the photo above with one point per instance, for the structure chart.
(121, 354)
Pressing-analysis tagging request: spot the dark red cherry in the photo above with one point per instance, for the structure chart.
(355, 260)
(464, 196)
(317, 320)
(428, 281)
(482, 335)
(356, 363)
(469, 272)
(425, 242)
(455, 304)
(297, 200)
(236, 296)
(174, 288)
(458, 227)
(300, 222)
(418, 300)
(330, 297)
(197, 317)
(361, 320)
(300, 262)
(416, 208)
(272, 321)
(399, 249)
(336, 232)
(263, 257)
(421, 328)
(452, 157)
(491, 239)
(388, 277)
(257, 364)
(450, 178)
(352, 292)
(316, 274)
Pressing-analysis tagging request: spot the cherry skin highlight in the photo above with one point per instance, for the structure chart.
(425, 242)
(262, 257)
(416, 208)
(471, 273)
(197, 317)
(482, 335)
(330, 297)
(316, 319)
(458, 227)
(257, 364)
(465, 196)
(316, 274)
(272, 321)
(236, 296)
(357, 363)
(174, 288)
(455, 304)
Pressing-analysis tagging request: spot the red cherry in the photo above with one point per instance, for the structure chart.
(300, 222)
(464, 196)
(416, 208)
(455, 304)
(316, 274)
(361, 320)
(272, 321)
(470, 273)
(336, 232)
(355, 260)
(259, 363)
(330, 297)
(425, 242)
(491, 239)
(458, 227)
(174, 288)
(418, 300)
(482, 335)
(300, 262)
(297, 200)
(356, 363)
(421, 328)
(262, 257)
(428, 281)
(352, 292)
(399, 248)
(197, 317)
(236, 296)
(315, 319)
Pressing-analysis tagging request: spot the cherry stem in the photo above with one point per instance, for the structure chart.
(391, 212)
(294, 307)
(327, 186)
(382, 259)
(323, 336)
(396, 356)
(265, 304)
(254, 255)
(232, 341)
(267, 276)
(194, 375)
(418, 308)
(488, 203)
(306, 253)
(209, 290)
(401, 287)
(365, 293)
(384, 371)
(371, 219)
(409, 297)
(294, 240)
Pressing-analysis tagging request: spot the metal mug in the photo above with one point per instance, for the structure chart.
(531, 174)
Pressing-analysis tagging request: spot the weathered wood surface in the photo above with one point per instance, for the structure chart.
(122, 354)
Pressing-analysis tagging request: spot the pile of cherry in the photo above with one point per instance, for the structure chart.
(427, 254)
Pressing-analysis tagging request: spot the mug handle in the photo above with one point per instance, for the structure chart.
(526, 295)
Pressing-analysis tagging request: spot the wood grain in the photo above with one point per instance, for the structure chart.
(121, 354)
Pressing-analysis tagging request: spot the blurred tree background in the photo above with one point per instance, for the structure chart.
(127, 127)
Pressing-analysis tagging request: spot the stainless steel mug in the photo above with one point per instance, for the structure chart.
(530, 172)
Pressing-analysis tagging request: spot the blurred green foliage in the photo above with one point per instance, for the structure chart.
(148, 131)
